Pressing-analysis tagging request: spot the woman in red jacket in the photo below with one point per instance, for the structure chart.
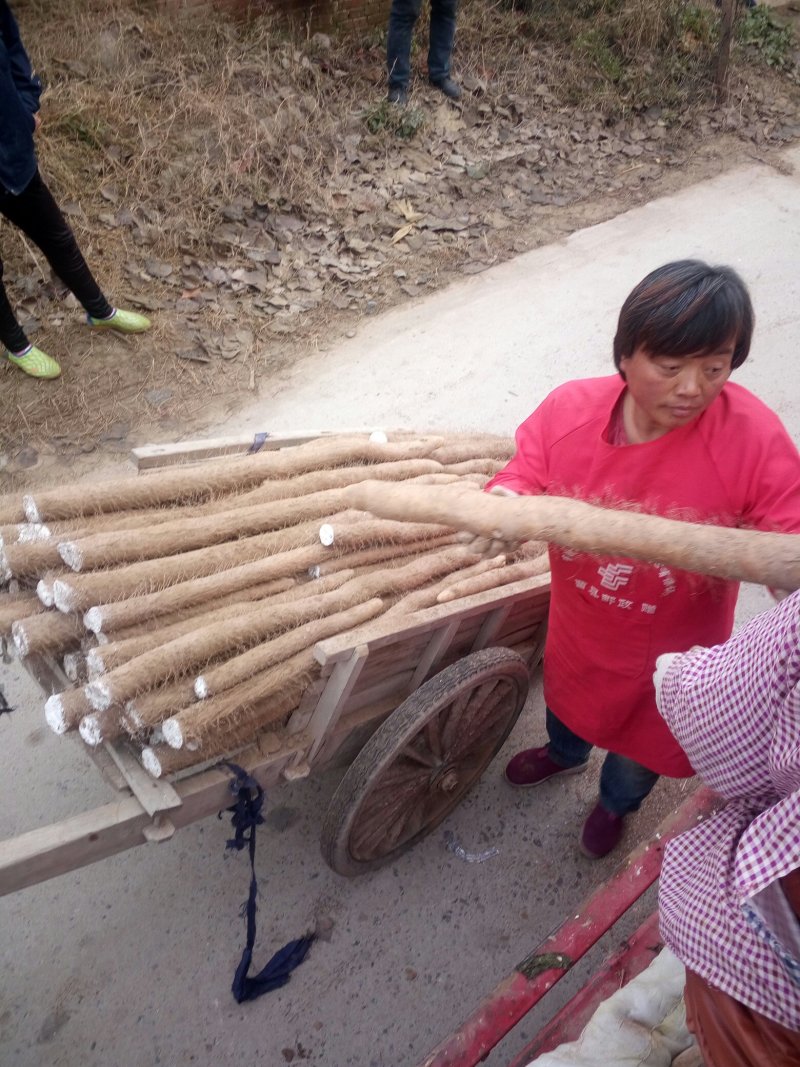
(669, 435)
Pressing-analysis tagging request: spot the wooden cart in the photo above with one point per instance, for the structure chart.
(417, 714)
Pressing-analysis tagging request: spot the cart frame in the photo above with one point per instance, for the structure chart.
(360, 685)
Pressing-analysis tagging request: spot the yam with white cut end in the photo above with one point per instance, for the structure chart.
(239, 668)
(203, 480)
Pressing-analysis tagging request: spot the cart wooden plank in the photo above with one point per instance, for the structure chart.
(335, 696)
(437, 647)
(150, 457)
(65, 846)
(154, 794)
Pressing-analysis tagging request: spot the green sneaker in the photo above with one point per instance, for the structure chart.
(36, 363)
(121, 321)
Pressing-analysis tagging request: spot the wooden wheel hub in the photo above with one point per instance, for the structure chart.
(447, 781)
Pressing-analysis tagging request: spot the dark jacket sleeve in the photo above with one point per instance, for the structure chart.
(19, 101)
(27, 85)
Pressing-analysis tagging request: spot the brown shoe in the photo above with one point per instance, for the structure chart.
(602, 832)
(533, 766)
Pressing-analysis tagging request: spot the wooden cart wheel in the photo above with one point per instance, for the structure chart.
(423, 759)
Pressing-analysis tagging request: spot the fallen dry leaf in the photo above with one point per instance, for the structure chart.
(404, 231)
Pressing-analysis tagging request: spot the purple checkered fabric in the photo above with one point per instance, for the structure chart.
(735, 709)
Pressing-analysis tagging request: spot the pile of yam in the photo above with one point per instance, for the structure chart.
(183, 606)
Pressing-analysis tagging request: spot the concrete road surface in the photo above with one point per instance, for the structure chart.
(129, 962)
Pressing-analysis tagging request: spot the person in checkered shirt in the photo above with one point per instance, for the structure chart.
(729, 896)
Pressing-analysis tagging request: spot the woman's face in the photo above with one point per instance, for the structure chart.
(666, 392)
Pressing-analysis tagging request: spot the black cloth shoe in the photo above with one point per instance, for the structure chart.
(450, 88)
(398, 94)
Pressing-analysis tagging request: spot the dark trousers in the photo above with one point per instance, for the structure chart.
(623, 783)
(39, 217)
(402, 17)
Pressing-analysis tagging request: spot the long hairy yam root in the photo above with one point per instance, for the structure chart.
(514, 572)
(108, 656)
(47, 632)
(160, 760)
(771, 559)
(256, 592)
(205, 479)
(112, 616)
(240, 668)
(185, 534)
(199, 647)
(14, 606)
(63, 711)
(242, 706)
(80, 591)
(432, 594)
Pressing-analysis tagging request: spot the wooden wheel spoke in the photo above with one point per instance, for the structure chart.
(477, 699)
(395, 776)
(410, 823)
(417, 819)
(433, 735)
(475, 742)
(419, 755)
(382, 811)
(452, 717)
(485, 719)
(485, 695)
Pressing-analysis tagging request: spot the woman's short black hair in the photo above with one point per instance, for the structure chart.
(686, 309)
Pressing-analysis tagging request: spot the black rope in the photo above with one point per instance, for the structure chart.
(5, 707)
(245, 817)
(258, 442)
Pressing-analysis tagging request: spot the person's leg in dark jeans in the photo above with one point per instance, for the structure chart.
(402, 18)
(39, 217)
(565, 747)
(624, 784)
(443, 31)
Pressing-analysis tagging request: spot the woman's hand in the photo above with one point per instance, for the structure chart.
(490, 546)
